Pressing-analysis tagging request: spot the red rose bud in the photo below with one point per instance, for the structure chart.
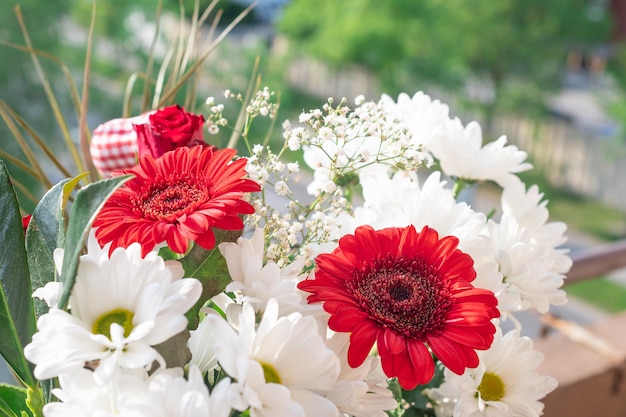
(26, 221)
(168, 129)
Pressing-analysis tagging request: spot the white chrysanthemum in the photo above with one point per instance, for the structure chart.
(525, 246)
(167, 393)
(400, 201)
(461, 153)
(531, 213)
(255, 281)
(120, 307)
(282, 368)
(504, 384)
(79, 395)
(360, 391)
(421, 114)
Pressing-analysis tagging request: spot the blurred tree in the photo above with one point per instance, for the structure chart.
(447, 42)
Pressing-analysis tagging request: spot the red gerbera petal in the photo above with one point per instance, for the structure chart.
(178, 197)
(406, 291)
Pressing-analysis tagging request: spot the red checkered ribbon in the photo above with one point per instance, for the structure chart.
(114, 144)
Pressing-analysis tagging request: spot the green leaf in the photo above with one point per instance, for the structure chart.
(209, 267)
(13, 401)
(175, 351)
(17, 317)
(45, 233)
(89, 200)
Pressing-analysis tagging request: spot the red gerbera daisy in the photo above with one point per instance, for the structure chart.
(407, 292)
(178, 197)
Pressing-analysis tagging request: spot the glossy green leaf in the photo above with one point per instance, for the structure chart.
(13, 401)
(46, 232)
(209, 267)
(17, 317)
(89, 200)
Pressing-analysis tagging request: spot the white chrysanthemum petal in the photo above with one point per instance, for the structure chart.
(360, 391)
(50, 293)
(461, 154)
(420, 113)
(200, 343)
(256, 283)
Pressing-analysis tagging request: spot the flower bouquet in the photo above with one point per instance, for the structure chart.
(192, 280)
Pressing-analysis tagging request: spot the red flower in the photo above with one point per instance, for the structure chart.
(178, 197)
(26, 221)
(169, 128)
(407, 292)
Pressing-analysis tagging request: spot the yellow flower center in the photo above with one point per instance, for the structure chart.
(492, 387)
(121, 316)
(270, 373)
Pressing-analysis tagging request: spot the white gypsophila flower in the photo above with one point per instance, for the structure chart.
(343, 142)
(120, 307)
(330, 229)
(281, 367)
(461, 153)
(360, 391)
(400, 201)
(504, 384)
(421, 114)
(256, 280)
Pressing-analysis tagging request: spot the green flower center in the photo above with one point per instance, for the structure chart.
(270, 373)
(492, 387)
(121, 316)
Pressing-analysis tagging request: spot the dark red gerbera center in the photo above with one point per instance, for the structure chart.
(406, 295)
(170, 198)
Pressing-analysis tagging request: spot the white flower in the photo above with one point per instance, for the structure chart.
(79, 395)
(527, 207)
(49, 293)
(169, 394)
(504, 384)
(281, 367)
(524, 245)
(461, 154)
(361, 391)
(256, 282)
(120, 308)
(165, 394)
(200, 345)
(420, 113)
